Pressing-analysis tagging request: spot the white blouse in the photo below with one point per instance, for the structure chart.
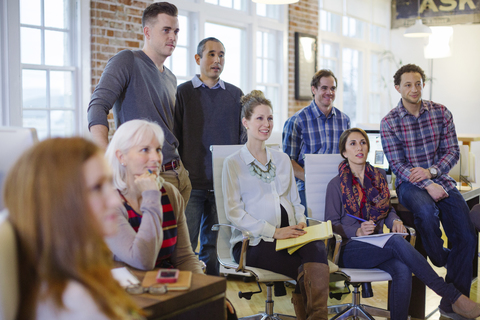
(253, 204)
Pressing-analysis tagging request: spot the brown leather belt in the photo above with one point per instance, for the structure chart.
(172, 165)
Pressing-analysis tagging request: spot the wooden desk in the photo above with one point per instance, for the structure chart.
(204, 301)
(417, 300)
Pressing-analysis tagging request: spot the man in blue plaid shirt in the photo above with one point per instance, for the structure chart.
(316, 128)
(420, 142)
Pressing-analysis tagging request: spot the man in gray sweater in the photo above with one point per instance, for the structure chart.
(137, 85)
(207, 112)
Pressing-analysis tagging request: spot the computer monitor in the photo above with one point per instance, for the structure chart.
(376, 156)
(13, 142)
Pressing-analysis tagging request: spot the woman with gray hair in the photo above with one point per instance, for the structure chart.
(152, 229)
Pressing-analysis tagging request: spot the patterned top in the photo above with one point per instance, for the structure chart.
(310, 131)
(169, 226)
(427, 141)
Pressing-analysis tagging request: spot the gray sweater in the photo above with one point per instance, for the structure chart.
(136, 89)
(343, 224)
(205, 117)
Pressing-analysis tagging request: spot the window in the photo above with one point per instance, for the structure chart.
(329, 56)
(353, 28)
(352, 71)
(329, 21)
(232, 39)
(233, 4)
(178, 62)
(268, 10)
(350, 44)
(268, 75)
(46, 67)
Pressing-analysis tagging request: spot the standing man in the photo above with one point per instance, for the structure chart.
(208, 112)
(315, 128)
(421, 145)
(137, 85)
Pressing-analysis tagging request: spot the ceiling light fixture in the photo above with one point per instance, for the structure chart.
(418, 30)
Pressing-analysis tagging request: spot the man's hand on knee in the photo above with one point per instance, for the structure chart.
(437, 192)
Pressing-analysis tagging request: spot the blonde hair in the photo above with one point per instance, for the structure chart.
(59, 238)
(128, 135)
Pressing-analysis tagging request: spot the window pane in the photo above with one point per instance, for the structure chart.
(271, 71)
(226, 3)
(37, 119)
(56, 50)
(61, 89)
(212, 1)
(30, 12)
(56, 13)
(351, 81)
(259, 69)
(329, 21)
(62, 124)
(259, 44)
(34, 88)
(31, 46)
(237, 4)
(268, 10)
(353, 28)
(179, 62)
(232, 38)
(183, 34)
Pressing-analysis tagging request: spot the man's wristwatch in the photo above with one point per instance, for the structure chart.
(433, 172)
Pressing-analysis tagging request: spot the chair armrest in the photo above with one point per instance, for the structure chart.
(334, 256)
(413, 235)
(246, 235)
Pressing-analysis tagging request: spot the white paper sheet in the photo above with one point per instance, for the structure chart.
(124, 277)
(378, 240)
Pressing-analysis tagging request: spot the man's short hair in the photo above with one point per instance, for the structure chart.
(320, 74)
(397, 77)
(153, 10)
(203, 43)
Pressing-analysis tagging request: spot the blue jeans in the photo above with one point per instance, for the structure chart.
(201, 213)
(400, 260)
(453, 213)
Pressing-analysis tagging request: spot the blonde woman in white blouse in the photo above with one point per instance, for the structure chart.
(261, 196)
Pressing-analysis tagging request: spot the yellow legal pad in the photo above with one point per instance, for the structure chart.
(317, 232)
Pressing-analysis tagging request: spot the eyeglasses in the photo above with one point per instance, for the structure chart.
(155, 289)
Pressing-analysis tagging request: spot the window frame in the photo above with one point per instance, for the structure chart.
(11, 66)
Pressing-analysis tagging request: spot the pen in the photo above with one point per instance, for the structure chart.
(359, 219)
(149, 171)
(297, 229)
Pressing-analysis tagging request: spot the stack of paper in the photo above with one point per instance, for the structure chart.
(317, 232)
(378, 240)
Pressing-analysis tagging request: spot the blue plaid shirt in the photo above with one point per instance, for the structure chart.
(427, 141)
(310, 131)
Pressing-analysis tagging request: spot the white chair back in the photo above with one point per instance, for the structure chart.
(319, 170)
(9, 291)
(219, 153)
(13, 142)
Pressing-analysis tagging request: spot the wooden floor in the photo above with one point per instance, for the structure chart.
(284, 306)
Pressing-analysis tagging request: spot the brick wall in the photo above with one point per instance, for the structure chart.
(116, 25)
(302, 17)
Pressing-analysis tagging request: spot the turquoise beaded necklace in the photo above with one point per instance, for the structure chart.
(266, 176)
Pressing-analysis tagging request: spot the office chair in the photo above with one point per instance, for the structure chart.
(9, 283)
(319, 170)
(219, 153)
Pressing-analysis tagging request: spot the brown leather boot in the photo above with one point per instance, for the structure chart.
(299, 306)
(316, 277)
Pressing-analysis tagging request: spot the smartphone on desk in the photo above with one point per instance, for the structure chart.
(167, 275)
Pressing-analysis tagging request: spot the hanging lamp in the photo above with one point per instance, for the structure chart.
(418, 30)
